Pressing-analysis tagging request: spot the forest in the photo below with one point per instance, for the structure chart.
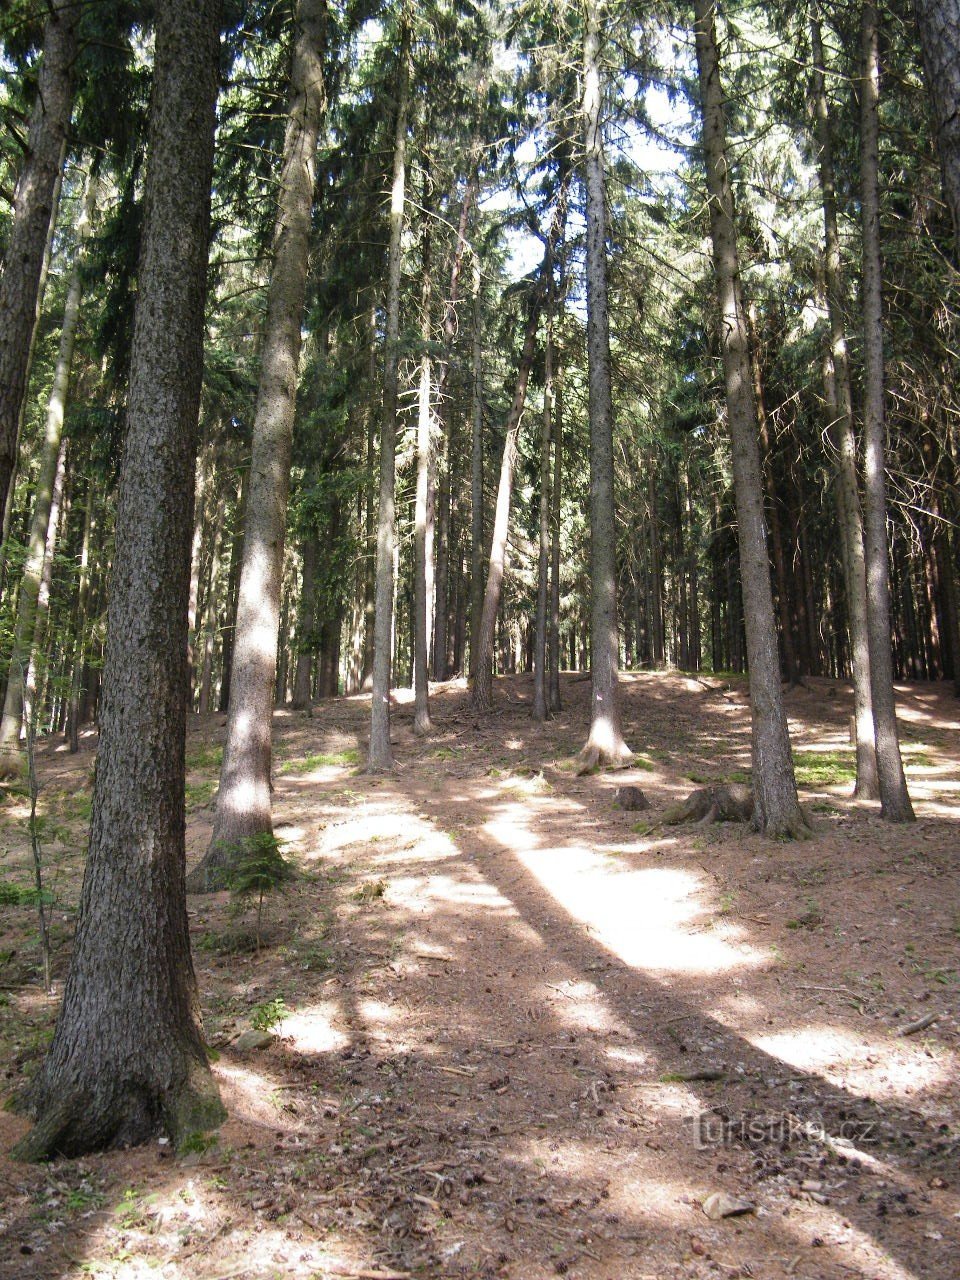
(479, 639)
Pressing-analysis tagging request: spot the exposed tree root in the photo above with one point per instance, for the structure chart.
(86, 1119)
(594, 756)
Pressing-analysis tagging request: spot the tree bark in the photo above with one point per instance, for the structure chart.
(777, 810)
(306, 624)
(476, 484)
(380, 757)
(127, 1056)
(421, 584)
(839, 399)
(938, 22)
(553, 687)
(34, 208)
(605, 744)
(243, 800)
(895, 803)
(541, 708)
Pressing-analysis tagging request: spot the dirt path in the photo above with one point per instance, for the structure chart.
(524, 1039)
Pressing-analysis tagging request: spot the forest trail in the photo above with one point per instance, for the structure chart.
(522, 1038)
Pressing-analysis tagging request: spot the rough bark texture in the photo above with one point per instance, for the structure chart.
(605, 744)
(10, 759)
(380, 758)
(776, 807)
(554, 638)
(895, 803)
(939, 25)
(243, 800)
(127, 1056)
(34, 207)
(483, 665)
(840, 407)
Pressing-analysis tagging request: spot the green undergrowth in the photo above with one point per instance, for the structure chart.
(322, 760)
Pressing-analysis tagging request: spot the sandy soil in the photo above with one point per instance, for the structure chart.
(525, 1035)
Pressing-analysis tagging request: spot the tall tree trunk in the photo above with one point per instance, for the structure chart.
(369, 537)
(777, 810)
(486, 636)
(306, 623)
(80, 620)
(895, 803)
(553, 698)
(243, 800)
(22, 653)
(605, 744)
(839, 400)
(210, 610)
(34, 209)
(540, 700)
(421, 585)
(939, 25)
(380, 757)
(476, 484)
(127, 1056)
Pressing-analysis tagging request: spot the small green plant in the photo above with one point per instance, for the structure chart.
(20, 895)
(323, 759)
(370, 891)
(205, 757)
(824, 768)
(260, 868)
(197, 794)
(268, 1014)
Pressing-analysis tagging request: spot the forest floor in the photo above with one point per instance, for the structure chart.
(519, 1034)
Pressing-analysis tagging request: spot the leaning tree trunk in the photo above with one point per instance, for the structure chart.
(127, 1057)
(483, 662)
(777, 810)
(939, 25)
(840, 407)
(22, 654)
(243, 801)
(380, 756)
(605, 744)
(34, 207)
(895, 803)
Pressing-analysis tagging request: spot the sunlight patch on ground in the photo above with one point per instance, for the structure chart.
(873, 1067)
(420, 893)
(643, 916)
(313, 1030)
(628, 1057)
(248, 1095)
(581, 1007)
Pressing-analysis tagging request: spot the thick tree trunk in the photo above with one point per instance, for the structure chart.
(22, 654)
(483, 669)
(605, 744)
(939, 25)
(895, 803)
(777, 810)
(243, 801)
(34, 208)
(380, 757)
(840, 408)
(127, 1056)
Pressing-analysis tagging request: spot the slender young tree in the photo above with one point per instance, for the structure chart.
(127, 1057)
(421, 604)
(605, 744)
(243, 800)
(380, 757)
(541, 708)
(34, 208)
(777, 809)
(895, 803)
(840, 408)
